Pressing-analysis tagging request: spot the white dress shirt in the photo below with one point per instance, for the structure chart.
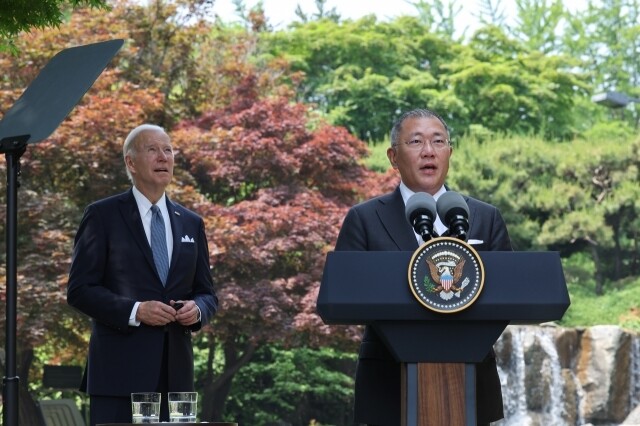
(144, 206)
(438, 226)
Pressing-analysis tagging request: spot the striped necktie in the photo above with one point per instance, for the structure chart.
(159, 244)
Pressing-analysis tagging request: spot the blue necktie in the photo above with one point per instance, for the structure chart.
(159, 244)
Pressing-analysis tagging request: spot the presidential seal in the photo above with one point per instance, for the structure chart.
(446, 275)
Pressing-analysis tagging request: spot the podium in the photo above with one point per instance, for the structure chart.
(437, 350)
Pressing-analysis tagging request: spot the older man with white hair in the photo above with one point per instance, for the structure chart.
(140, 270)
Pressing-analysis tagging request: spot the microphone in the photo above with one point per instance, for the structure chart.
(421, 214)
(454, 212)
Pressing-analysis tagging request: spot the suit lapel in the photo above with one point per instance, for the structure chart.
(472, 212)
(131, 215)
(391, 213)
(176, 230)
(472, 209)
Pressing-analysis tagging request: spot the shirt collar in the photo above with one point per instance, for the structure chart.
(144, 205)
(406, 192)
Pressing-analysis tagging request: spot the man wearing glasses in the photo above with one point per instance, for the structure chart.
(420, 150)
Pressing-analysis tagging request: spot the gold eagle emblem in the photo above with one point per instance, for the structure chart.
(446, 275)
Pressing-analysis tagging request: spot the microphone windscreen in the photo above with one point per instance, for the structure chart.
(420, 203)
(451, 203)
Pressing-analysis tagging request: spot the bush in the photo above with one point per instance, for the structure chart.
(298, 386)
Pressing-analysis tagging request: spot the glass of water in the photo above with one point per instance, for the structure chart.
(145, 407)
(183, 407)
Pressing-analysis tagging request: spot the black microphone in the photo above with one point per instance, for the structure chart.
(454, 213)
(421, 214)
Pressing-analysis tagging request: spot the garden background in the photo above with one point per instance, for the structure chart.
(279, 131)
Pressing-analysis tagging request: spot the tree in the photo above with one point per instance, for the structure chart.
(321, 12)
(278, 192)
(17, 16)
(492, 14)
(438, 15)
(503, 86)
(538, 24)
(361, 73)
(296, 386)
(605, 35)
(572, 197)
(166, 36)
(59, 176)
(271, 180)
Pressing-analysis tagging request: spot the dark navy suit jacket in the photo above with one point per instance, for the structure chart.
(380, 224)
(112, 268)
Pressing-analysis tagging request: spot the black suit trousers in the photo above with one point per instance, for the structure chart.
(117, 409)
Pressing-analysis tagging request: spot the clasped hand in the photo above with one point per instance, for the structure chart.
(156, 313)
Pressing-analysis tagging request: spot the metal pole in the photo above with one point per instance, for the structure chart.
(10, 390)
(470, 394)
(412, 394)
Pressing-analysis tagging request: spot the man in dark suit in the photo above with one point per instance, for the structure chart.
(141, 337)
(420, 151)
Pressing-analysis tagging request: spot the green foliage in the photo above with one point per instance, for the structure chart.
(438, 15)
(617, 306)
(377, 159)
(604, 35)
(293, 386)
(506, 86)
(613, 130)
(538, 24)
(361, 73)
(273, 180)
(17, 16)
(579, 272)
(578, 196)
(321, 12)
(492, 13)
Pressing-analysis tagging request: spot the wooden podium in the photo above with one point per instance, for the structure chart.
(438, 386)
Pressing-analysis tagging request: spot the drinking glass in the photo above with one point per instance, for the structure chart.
(145, 407)
(183, 407)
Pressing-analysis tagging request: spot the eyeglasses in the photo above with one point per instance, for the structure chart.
(419, 144)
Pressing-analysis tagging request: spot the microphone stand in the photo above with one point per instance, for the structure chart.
(458, 227)
(423, 225)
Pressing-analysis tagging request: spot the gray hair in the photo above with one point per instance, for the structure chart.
(414, 113)
(127, 147)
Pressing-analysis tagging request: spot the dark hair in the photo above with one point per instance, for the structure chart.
(414, 113)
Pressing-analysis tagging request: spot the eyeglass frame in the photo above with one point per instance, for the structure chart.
(414, 143)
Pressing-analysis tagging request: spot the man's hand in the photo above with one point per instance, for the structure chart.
(155, 313)
(188, 313)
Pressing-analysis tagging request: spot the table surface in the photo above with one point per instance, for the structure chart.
(172, 424)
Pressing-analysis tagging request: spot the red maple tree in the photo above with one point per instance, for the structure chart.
(271, 179)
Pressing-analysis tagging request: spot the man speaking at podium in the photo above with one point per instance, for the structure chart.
(420, 150)
(140, 270)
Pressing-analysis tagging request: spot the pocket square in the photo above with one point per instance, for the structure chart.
(186, 239)
(471, 241)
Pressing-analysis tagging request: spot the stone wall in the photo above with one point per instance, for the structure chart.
(560, 376)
